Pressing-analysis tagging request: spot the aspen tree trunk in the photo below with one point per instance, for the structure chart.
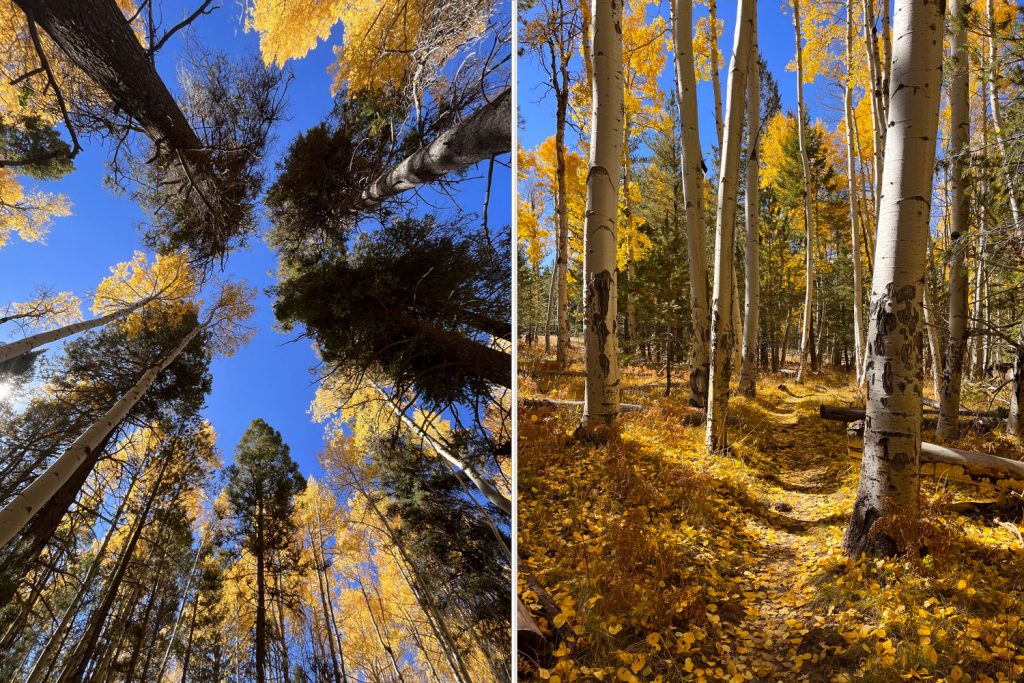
(948, 426)
(328, 621)
(488, 490)
(261, 592)
(693, 198)
(601, 399)
(978, 368)
(1015, 418)
(630, 337)
(716, 83)
(997, 116)
(851, 156)
(805, 334)
(77, 662)
(878, 109)
(21, 509)
(181, 609)
(752, 303)
(562, 233)
(547, 319)
(484, 134)
(722, 334)
(17, 348)
(932, 331)
(887, 505)
(381, 636)
(41, 666)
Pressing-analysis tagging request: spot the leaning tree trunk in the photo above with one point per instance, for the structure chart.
(716, 81)
(748, 362)
(22, 346)
(887, 505)
(722, 334)
(601, 348)
(484, 134)
(997, 117)
(858, 275)
(805, 165)
(693, 198)
(16, 514)
(959, 104)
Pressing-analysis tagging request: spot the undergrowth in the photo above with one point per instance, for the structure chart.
(669, 564)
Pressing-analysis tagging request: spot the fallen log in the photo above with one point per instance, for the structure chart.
(560, 403)
(981, 422)
(998, 412)
(955, 464)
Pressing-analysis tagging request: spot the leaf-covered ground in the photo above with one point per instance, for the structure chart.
(667, 564)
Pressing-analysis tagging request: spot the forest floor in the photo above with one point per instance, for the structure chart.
(669, 564)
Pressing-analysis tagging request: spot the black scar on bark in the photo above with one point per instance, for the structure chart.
(600, 294)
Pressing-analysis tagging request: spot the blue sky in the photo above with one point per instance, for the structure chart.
(270, 377)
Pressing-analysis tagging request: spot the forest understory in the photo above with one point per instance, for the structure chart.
(661, 562)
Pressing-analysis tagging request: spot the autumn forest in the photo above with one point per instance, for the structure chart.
(771, 353)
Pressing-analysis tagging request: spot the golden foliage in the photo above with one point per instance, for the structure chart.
(27, 215)
(669, 564)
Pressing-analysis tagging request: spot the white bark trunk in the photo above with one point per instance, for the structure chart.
(805, 165)
(20, 510)
(887, 497)
(959, 103)
(17, 348)
(934, 343)
(997, 116)
(858, 274)
(693, 198)
(878, 96)
(716, 81)
(722, 334)
(748, 362)
(601, 225)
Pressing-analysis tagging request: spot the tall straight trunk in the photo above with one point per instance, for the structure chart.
(17, 348)
(979, 276)
(601, 348)
(560, 83)
(887, 504)
(41, 666)
(77, 662)
(752, 300)
(716, 81)
(878, 95)
(805, 165)
(328, 617)
(547, 319)
(181, 609)
(934, 341)
(285, 665)
(629, 338)
(693, 198)
(484, 134)
(24, 506)
(261, 592)
(485, 487)
(722, 334)
(997, 117)
(1015, 418)
(381, 635)
(851, 158)
(959, 104)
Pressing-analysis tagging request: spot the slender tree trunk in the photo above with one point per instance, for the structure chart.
(601, 226)
(997, 117)
(722, 334)
(41, 666)
(934, 342)
(562, 213)
(887, 505)
(77, 662)
(878, 95)
(1015, 419)
(181, 609)
(716, 81)
(483, 135)
(17, 348)
(693, 198)
(748, 363)
(805, 335)
(261, 592)
(20, 511)
(547, 319)
(851, 128)
(959, 103)
(381, 637)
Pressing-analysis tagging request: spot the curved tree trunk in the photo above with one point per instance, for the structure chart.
(887, 497)
(601, 348)
(22, 346)
(693, 198)
(752, 303)
(722, 334)
(486, 133)
(805, 165)
(24, 506)
(959, 104)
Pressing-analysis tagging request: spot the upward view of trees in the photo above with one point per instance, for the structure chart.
(130, 549)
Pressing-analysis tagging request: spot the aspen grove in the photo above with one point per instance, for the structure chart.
(771, 356)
